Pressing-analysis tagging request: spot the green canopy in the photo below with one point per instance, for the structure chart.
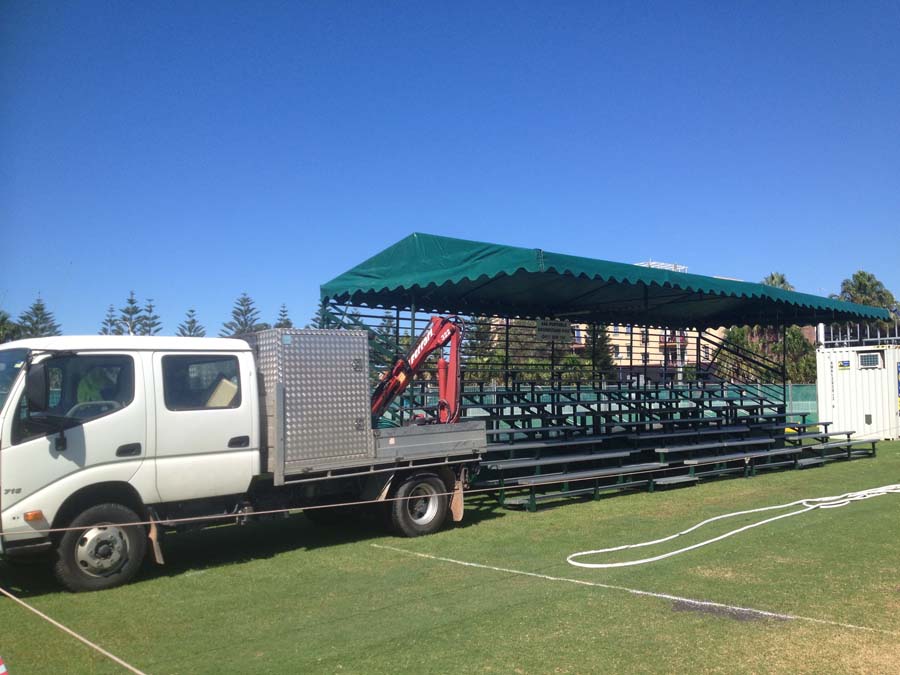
(447, 275)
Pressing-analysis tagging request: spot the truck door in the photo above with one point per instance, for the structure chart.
(206, 443)
(93, 430)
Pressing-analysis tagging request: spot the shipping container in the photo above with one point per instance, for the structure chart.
(859, 389)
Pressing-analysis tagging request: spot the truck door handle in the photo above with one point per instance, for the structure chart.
(129, 450)
(239, 442)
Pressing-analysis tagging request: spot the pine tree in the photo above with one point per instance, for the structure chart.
(284, 321)
(323, 318)
(110, 325)
(9, 329)
(130, 318)
(599, 352)
(191, 327)
(244, 318)
(383, 342)
(483, 346)
(150, 323)
(36, 321)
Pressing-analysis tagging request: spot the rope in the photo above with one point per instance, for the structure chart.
(511, 488)
(71, 632)
(558, 480)
(807, 504)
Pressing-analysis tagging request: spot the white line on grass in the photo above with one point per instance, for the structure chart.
(702, 604)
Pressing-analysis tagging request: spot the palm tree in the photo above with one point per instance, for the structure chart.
(778, 280)
(9, 329)
(864, 288)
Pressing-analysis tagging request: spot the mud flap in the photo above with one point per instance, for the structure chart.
(456, 502)
(154, 537)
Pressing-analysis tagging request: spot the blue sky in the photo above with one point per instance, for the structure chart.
(191, 151)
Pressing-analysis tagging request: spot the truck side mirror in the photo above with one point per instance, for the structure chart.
(36, 388)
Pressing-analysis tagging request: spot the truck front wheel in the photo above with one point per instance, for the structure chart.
(101, 553)
(420, 506)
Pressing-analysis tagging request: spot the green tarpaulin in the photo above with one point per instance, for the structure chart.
(447, 275)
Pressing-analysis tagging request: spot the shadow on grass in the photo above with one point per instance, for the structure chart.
(234, 544)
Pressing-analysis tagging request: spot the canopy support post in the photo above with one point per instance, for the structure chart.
(412, 335)
(784, 362)
(506, 355)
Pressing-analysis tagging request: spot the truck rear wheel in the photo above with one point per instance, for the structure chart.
(420, 506)
(101, 554)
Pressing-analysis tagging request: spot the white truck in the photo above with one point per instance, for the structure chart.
(98, 432)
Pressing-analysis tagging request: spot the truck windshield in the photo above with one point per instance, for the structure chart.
(11, 362)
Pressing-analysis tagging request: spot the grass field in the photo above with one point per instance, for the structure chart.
(290, 596)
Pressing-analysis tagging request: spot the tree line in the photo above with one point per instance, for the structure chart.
(135, 318)
(863, 288)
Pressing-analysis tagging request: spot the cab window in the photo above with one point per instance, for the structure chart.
(80, 388)
(192, 382)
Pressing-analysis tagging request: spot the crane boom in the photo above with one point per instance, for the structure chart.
(437, 334)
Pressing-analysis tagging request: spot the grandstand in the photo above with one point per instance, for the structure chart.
(568, 417)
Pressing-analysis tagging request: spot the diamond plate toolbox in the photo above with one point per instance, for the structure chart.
(315, 398)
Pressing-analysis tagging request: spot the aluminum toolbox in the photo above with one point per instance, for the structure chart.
(314, 398)
(315, 407)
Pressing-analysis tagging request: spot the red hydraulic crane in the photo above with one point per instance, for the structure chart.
(394, 382)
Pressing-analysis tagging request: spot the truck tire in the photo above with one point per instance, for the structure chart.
(420, 506)
(101, 555)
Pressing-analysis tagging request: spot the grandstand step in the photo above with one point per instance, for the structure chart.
(844, 445)
(735, 429)
(720, 472)
(585, 475)
(538, 430)
(809, 461)
(732, 457)
(536, 497)
(552, 443)
(782, 451)
(675, 480)
(797, 437)
(714, 446)
(822, 434)
(525, 462)
(860, 453)
(772, 465)
(546, 496)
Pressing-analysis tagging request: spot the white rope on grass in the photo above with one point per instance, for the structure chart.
(71, 632)
(807, 505)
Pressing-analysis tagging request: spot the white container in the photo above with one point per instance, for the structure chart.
(859, 390)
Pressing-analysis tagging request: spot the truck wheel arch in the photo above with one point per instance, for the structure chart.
(116, 492)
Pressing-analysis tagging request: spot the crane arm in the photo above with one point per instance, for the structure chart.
(439, 332)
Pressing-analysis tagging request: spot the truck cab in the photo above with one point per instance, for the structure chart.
(107, 441)
(96, 430)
